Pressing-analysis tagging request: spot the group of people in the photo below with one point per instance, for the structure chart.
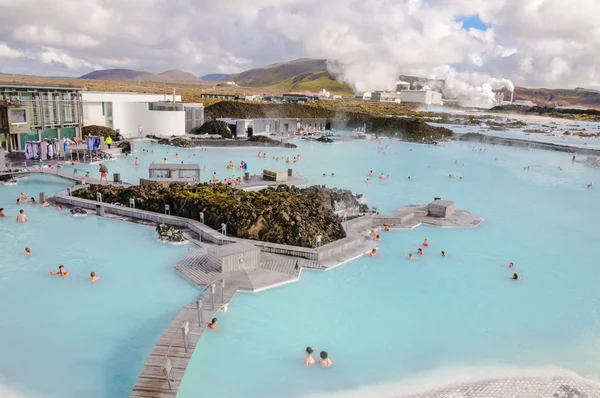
(310, 360)
(231, 181)
(62, 271)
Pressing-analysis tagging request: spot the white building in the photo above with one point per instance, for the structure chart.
(426, 97)
(156, 114)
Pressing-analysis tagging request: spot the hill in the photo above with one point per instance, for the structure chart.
(173, 75)
(176, 75)
(299, 75)
(118, 74)
(560, 97)
(215, 77)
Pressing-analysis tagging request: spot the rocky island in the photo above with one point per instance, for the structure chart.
(285, 214)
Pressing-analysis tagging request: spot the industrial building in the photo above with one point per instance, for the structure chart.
(425, 97)
(30, 112)
(241, 128)
(133, 114)
(387, 96)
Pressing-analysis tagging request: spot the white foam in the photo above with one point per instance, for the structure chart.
(446, 378)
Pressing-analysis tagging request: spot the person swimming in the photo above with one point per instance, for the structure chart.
(386, 228)
(23, 196)
(382, 176)
(28, 251)
(310, 360)
(325, 361)
(515, 277)
(410, 256)
(213, 324)
(511, 265)
(165, 161)
(371, 174)
(368, 181)
(94, 277)
(18, 201)
(443, 253)
(420, 251)
(2, 213)
(589, 185)
(377, 237)
(21, 217)
(33, 201)
(425, 243)
(137, 162)
(373, 252)
(61, 271)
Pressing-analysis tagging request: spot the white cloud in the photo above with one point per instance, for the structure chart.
(7, 52)
(52, 56)
(548, 43)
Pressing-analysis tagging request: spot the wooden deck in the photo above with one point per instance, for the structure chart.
(152, 382)
(274, 270)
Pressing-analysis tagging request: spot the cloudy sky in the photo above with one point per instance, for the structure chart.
(549, 43)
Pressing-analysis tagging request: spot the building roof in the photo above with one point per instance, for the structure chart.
(233, 248)
(175, 166)
(39, 86)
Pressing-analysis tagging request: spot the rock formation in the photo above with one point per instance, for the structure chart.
(167, 233)
(285, 214)
(215, 127)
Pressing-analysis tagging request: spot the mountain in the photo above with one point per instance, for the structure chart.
(177, 75)
(299, 75)
(173, 75)
(117, 74)
(561, 97)
(215, 77)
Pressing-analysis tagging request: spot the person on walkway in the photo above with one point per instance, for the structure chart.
(103, 173)
(108, 141)
(21, 217)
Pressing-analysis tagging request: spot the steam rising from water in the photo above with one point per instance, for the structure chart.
(431, 381)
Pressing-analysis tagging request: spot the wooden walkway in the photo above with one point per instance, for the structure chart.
(152, 382)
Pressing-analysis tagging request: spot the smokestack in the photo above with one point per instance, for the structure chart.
(173, 94)
(512, 94)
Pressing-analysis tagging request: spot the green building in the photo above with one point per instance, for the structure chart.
(30, 112)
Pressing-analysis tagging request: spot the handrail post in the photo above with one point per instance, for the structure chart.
(199, 307)
(222, 290)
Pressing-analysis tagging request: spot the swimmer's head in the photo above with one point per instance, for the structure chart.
(61, 266)
(21, 211)
(92, 274)
(309, 350)
(420, 250)
(213, 321)
(27, 250)
(443, 253)
(323, 354)
(515, 276)
(510, 265)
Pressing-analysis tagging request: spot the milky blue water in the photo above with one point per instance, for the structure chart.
(64, 337)
(386, 320)
(383, 320)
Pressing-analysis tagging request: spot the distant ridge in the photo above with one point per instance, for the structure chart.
(174, 75)
(215, 77)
